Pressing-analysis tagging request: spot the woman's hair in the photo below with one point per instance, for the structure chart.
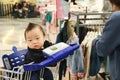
(32, 26)
(116, 2)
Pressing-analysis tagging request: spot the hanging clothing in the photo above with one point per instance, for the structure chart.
(53, 28)
(51, 22)
(48, 17)
(62, 8)
(62, 35)
(87, 49)
(82, 31)
(75, 61)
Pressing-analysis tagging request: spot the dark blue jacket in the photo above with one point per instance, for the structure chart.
(95, 61)
(36, 55)
(109, 44)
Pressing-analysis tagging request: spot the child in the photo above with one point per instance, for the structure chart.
(35, 38)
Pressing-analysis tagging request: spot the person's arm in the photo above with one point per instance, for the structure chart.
(111, 36)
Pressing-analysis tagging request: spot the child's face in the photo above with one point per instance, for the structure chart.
(35, 38)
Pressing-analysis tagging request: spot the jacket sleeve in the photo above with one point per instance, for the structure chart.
(27, 58)
(111, 36)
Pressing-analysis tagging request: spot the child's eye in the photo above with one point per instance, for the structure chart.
(37, 38)
(29, 40)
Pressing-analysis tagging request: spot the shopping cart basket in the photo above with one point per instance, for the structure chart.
(14, 67)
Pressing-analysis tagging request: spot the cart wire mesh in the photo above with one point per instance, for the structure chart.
(17, 72)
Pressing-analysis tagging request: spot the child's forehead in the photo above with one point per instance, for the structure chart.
(36, 28)
(34, 31)
(32, 35)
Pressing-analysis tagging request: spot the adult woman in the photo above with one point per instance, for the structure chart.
(109, 44)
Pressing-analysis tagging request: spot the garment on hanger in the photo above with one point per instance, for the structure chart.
(75, 61)
(92, 61)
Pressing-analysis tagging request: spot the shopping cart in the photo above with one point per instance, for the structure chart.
(14, 67)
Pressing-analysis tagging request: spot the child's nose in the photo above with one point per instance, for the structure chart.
(34, 41)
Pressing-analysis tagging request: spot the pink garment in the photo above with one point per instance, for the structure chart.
(52, 25)
(53, 28)
(47, 1)
(59, 11)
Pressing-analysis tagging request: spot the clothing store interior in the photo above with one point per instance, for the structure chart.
(72, 22)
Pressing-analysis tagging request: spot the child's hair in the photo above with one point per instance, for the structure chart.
(31, 26)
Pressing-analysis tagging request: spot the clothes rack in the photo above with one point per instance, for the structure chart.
(90, 13)
(85, 14)
(90, 25)
(94, 18)
(103, 16)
